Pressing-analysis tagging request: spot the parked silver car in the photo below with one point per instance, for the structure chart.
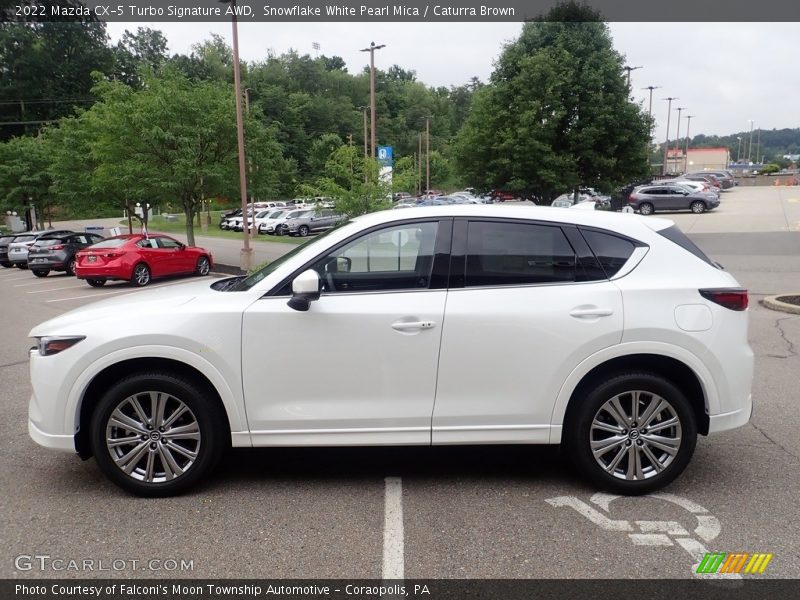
(312, 221)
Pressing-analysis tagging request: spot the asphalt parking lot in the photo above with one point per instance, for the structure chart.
(458, 512)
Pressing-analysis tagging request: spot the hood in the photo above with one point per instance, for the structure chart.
(137, 303)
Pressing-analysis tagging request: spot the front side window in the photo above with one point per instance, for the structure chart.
(517, 254)
(168, 243)
(395, 258)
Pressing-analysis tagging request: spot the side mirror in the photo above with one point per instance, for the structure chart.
(305, 289)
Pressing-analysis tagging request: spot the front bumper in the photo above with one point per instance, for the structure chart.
(62, 443)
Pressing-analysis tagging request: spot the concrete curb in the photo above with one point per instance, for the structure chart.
(227, 269)
(773, 303)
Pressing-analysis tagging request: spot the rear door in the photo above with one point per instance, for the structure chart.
(527, 303)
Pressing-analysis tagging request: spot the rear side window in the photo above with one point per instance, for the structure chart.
(517, 254)
(611, 251)
(675, 235)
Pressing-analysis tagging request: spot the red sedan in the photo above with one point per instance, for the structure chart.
(139, 259)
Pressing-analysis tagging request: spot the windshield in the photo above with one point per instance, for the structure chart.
(254, 278)
(24, 238)
(275, 214)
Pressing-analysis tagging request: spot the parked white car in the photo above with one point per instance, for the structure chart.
(611, 334)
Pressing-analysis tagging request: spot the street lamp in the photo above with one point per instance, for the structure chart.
(245, 258)
(427, 152)
(739, 152)
(666, 144)
(678, 132)
(750, 148)
(686, 150)
(629, 69)
(650, 105)
(365, 109)
(371, 50)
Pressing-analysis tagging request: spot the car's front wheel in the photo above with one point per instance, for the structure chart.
(645, 208)
(141, 275)
(698, 207)
(633, 434)
(303, 231)
(203, 266)
(40, 272)
(156, 434)
(71, 267)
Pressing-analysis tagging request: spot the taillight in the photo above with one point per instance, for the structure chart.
(631, 198)
(58, 247)
(111, 255)
(731, 298)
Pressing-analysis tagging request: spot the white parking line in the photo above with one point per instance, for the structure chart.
(40, 282)
(127, 290)
(393, 565)
(15, 277)
(72, 287)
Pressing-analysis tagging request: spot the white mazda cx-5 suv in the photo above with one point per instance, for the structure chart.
(611, 334)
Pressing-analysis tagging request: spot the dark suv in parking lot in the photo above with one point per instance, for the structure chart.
(57, 252)
(18, 248)
(650, 198)
(4, 242)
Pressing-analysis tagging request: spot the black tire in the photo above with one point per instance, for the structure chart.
(22, 266)
(645, 208)
(203, 266)
(96, 282)
(278, 230)
(303, 231)
(198, 450)
(625, 446)
(40, 272)
(70, 268)
(140, 276)
(698, 207)
(6, 265)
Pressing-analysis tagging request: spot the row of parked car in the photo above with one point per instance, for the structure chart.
(285, 221)
(698, 192)
(137, 258)
(436, 198)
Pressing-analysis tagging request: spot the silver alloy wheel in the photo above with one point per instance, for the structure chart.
(141, 275)
(698, 207)
(71, 267)
(153, 437)
(203, 266)
(635, 435)
(646, 209)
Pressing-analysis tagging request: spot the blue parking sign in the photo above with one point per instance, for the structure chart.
(385, 155)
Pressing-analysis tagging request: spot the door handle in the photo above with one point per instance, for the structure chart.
(411, 325)
(591, 312)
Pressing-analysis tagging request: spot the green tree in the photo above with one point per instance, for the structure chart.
(556, 113)
(24, 179)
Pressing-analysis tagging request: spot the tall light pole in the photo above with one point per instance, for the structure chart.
(427, 152)
(246, 255)
(371, 50)
(758, 145)
(629, 69)
(419, 166)
(666, 144)
(750, 148)
(739, 153)
(678, 132)
(364, 110)
(650, 105)
(686, 150)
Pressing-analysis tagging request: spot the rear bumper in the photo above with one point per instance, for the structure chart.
(46, 263)
(731, 420)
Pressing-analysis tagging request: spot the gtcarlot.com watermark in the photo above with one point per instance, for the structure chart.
(47, 563)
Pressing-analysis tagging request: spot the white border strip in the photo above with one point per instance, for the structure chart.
(393, 561)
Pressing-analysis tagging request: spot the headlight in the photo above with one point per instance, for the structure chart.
(54, 344)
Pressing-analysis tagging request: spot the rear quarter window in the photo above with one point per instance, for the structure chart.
(676, 236)
(611, 250)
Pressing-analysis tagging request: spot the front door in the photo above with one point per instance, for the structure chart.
(359, 367)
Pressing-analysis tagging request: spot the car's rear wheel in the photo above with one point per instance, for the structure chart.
(22, 266)
(6, 265)
(646, 208)
(96, 282)
(203, 266)
(40, 272)
(303, 231)
(156, 434)
(698, 207)
(633, 434)
(71, 267)
(141, 275)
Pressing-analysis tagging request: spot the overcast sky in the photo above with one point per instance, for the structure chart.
(723, 73)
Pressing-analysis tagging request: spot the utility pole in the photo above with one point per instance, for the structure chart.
(666, 144)
(629, 69)
(364, 110)
(739, 153)
(371, 50)
(750, 149)
(419, 166)
(427, 152)
(246, 256)
(686, 150)
(758, 146)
